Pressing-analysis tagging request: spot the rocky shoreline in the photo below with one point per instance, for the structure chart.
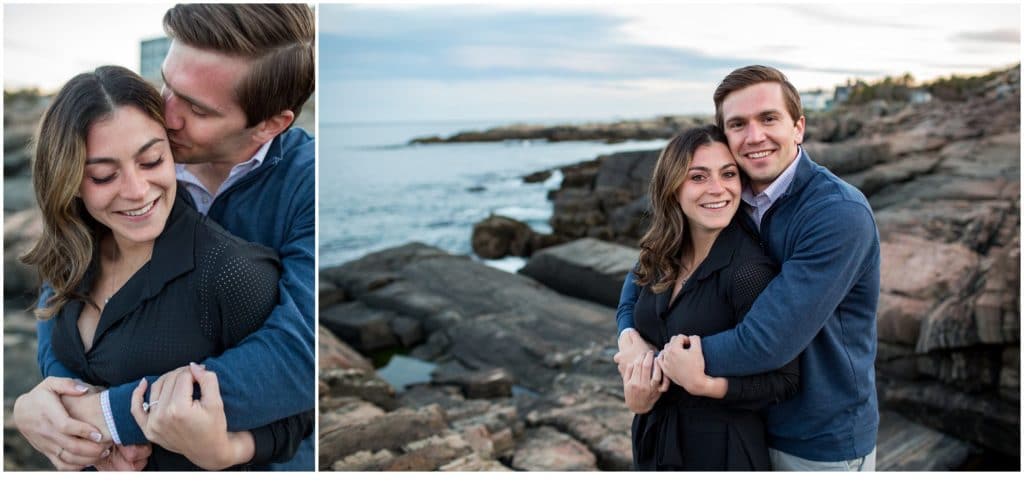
(662, 127)
(943, 179)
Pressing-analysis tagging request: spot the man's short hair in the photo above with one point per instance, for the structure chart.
(742, 78)
(277, 38)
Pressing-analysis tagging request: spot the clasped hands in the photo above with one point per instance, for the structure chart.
(62, 419)
(646, 376)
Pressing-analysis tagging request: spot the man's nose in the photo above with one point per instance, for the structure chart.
(173, 119)
(755, 133)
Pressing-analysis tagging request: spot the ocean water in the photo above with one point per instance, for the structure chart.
(377, 192)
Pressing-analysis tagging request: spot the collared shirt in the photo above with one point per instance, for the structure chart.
(764, 200)
(202, 197)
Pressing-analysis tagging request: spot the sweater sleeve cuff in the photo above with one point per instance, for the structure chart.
(263, 445)
(734, 390)
(120, 402)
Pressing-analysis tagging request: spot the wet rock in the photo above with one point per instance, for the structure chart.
(900, 317)
(848, 157)
(405, 299)
(602, 423)
(919, 268)
(409, 331)
(485, 384)
(18, 194)
(497, 236)
(546, 449)
(535, 177)
(21, 231)
(389, 431)
(981, 419)
(365, 328)
(586, 268)
(472, 463)
(907, 446)
(364, 461)
(330, 294)
(430, 453)
(334, 353)
(340, 411)
(661, 127)
(348, 382)
(1009, 374)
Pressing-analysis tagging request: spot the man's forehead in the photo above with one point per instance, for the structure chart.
(753, 100)
(205, 76)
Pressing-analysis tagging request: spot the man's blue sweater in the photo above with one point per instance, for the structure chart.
(271, 374)
(822, 306)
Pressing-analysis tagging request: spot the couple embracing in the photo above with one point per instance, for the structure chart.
(747, 329)
(177, 256)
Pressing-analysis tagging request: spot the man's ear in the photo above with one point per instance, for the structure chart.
(800, 124)
(267, 129)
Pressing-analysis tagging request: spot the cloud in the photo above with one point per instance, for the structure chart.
(992, 36)
(475, 44)
(831, 14)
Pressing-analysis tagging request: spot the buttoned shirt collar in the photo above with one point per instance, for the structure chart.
(202, 197)
(760, 203)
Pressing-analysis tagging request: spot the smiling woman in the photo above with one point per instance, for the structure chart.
(141, 283)
(130, 182)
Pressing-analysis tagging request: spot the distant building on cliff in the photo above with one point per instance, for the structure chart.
(151, 57)
(815, 100)
(920, 96)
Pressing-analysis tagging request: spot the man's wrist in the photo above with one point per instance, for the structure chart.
(624, 331)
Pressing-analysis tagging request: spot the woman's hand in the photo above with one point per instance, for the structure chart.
(68, 443)
(631, 348)
(643, 384)
(126, 458)
(682, 361)
(196, 429)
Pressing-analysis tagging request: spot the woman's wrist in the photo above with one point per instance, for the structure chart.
(714, 387)
(243, 447)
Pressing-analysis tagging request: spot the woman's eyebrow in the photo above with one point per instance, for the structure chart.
(148, 144)
(111, 160)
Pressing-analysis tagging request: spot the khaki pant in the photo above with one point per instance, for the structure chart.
(782, 461)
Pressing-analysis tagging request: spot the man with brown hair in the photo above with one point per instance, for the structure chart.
(822, 305)
(235, 78)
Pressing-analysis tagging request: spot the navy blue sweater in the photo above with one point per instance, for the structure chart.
(822, 306)
(271, 374)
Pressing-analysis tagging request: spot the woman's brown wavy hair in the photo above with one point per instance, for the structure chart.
(662, 246)
(70, 235)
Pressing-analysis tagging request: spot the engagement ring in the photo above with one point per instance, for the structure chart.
(146, 406)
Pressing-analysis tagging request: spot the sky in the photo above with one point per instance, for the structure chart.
(385, 63)
(47, 44)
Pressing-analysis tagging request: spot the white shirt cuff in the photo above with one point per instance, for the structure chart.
(624, 332)
(108, 416)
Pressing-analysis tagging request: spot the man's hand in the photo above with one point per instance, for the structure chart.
(632, 347)
(196, 429)
(682, 361)
(126, 458)
(643, 384)
(68, 443)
